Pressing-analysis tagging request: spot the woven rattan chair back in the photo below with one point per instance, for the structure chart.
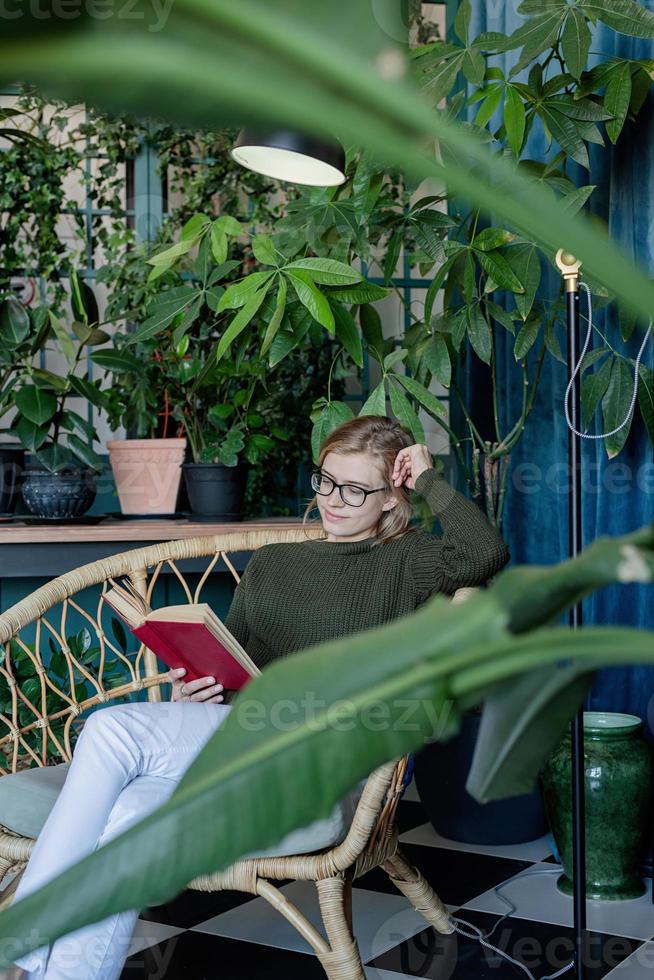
(38, 704)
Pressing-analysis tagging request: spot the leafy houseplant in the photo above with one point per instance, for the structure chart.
(165, 385)
(147, 464)
(55, 152)
(86, 652)
(485, 279)
(45, 424)
(148, 380)
(213, 339)
(387, 118)
(279, 483)
(23, 332)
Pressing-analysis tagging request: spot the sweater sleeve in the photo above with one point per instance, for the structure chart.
(470, 550)
(236, 621)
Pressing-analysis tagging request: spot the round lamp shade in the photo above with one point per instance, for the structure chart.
(291, 156)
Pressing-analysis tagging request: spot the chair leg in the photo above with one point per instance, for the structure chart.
(342, 961)
(419, 892)
(347, 901)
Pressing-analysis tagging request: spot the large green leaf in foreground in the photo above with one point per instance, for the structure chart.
(521, 714)
(348, 706)
(217, 62)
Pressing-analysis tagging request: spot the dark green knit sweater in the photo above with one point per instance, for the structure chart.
(292, 596)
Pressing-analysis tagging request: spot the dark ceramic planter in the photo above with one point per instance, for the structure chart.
(58, 495)
(441, 770)
(618, 804)
(215, 492)
(12, 466)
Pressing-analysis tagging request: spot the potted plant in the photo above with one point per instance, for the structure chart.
(62, 484)
(147, 474)
(155, 387)
(23, 332)
(213, 338)
(147, 464)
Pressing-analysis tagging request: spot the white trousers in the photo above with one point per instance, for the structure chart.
(127, 761)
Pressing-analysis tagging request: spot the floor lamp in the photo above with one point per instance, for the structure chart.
(570, 269)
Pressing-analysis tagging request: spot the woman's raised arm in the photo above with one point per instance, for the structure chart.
(469, 552)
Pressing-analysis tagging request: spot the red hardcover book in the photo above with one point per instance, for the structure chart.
(189, 636)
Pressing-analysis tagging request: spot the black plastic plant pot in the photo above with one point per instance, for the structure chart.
(441, 770)
(62, 495)
(215, 492)
(12, 466)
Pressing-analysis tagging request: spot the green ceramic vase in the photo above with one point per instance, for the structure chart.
(618, 774)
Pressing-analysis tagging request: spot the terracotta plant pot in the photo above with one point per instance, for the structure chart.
(147, 473)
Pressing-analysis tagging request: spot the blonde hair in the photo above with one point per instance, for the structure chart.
(382, 438)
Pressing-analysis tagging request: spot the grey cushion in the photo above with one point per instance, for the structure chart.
(27, 797)
(322, 833)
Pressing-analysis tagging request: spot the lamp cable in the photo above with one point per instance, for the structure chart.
(589, 332)
(460, 926)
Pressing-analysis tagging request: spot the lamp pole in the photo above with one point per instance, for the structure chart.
(570, 269)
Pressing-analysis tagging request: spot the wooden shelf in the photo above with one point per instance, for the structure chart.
(128, 531)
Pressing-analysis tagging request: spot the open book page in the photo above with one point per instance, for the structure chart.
(127, 602)
(203, 613)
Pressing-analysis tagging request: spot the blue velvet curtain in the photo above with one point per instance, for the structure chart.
(618, 495)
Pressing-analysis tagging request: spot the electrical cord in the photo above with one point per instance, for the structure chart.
(483, 937)
(602, 435)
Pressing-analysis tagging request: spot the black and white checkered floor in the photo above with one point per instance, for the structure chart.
(202, 937)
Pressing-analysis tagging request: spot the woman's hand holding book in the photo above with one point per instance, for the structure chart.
(201, 689)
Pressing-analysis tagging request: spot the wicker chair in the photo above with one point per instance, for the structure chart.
(372, 838)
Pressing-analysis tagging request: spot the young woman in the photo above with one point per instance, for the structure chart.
(368, 568)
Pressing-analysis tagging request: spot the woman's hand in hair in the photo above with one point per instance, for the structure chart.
(201, 689)
(409, 464)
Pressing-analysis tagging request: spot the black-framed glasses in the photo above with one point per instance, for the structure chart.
(350, 494)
